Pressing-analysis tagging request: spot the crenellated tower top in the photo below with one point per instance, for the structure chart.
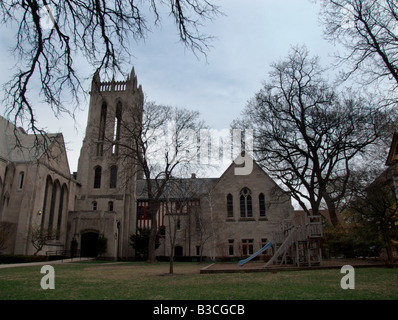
(130, 84)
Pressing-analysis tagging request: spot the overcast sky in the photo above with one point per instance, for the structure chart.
(252, 35)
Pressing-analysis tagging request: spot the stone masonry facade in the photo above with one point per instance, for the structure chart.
(231, 216)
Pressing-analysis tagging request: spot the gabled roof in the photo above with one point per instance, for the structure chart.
(18, 146)
(392, 157)
(177, 188)
(194, 187)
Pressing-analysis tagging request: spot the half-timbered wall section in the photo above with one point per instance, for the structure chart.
(174, 207)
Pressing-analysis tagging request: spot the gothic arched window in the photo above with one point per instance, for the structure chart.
(261, 202)
(97, 177)
(116, 129)
(113, 177)
(230, 206)
(245, 199)
(102, 122)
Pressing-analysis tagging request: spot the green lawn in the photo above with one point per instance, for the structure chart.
(83, 281)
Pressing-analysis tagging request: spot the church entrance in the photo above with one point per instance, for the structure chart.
(88, 246)
(178, 251)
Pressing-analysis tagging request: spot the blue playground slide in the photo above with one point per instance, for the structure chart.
(242, 262)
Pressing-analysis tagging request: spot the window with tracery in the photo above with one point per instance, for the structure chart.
(230, 206)
(97, 177)
(245, 199)
(261, 203)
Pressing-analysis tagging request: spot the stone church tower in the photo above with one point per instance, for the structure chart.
(105, 205)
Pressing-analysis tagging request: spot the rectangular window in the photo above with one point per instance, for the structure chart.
(231, 247)
(113, 177)
(264, 241)
(230, 206)
(97, 177)
(143, 212)
(247, 247)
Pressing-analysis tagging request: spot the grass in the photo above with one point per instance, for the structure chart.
(135, 281)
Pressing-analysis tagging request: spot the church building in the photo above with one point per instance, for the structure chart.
(106, 200)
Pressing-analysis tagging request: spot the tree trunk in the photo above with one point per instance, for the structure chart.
(152, 243)
(171, 268)
(153, 233)
(332, 209)
(387, 240)
(153, 210)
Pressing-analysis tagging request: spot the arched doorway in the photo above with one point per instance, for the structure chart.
(88, 246)
(178, 251)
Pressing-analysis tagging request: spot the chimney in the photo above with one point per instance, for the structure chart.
(193, 175)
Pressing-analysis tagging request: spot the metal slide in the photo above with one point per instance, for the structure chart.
(242, 262)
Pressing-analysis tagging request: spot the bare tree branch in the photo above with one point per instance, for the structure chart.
(52, 34)
(367, 31)
(307, 136)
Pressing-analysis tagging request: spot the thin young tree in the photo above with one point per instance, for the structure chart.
(161, 141)
(180, 196)
(39, 237)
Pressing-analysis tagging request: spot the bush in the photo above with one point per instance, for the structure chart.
(140, 243)
(350, 242)
(102, 245)
(7, 259)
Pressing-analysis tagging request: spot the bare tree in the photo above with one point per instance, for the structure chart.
(180, 198)
(206, 222)
(51, 35)
(6, 230)
(39, 237)
(307, 135)
(367, 30)
(376, 210)
(203, 228)
(161, 141)
(187, 195)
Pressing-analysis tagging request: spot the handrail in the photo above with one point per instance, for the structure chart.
(74, 253)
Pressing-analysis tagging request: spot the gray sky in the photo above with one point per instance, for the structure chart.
(252, 35)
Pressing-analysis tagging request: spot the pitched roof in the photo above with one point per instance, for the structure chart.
(177, 188)
(18, 146)
(392, 157)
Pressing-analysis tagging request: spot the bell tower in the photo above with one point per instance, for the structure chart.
(105, 205)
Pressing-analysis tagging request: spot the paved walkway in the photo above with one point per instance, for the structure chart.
(42, 263)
